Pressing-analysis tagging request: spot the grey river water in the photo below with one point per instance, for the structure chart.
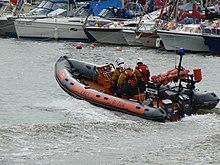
(41, 124)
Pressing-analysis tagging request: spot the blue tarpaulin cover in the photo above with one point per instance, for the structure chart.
(98, 6)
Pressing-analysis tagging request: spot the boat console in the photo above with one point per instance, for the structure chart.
(104, 75)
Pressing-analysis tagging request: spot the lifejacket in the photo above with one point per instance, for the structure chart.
(130, 77)
(145, 73)
(115, 74)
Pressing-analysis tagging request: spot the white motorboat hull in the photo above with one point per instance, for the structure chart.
(50, 28)
(173, 41)
(107, 35)
(130, 37)
(149, 40)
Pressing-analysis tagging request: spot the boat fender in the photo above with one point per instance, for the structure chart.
(79, 46)
(91, 46)
(118, 49)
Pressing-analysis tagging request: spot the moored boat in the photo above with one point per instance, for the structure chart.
(149, 40)
(130, 37)
(125, 18)
(212, 39)
(109, 34)
(61, 28)
(188, 37)
(213, 42)
(8, 13)
(7, 27)
(146, 34)
(117, 32)
(91, 82)
(51, 29)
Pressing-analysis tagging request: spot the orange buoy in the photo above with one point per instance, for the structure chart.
(197, 74)
(91, 46)
(118, 49)
(79, 46)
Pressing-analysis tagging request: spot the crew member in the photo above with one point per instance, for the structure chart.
(142, 73)
(119, 68)
(127, 83)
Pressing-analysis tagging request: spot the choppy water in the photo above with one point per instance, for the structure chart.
(41, 124)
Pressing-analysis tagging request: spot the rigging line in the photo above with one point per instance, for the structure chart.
(175, 52)
(87, 17)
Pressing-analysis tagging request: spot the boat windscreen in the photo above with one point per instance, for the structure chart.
(39, 11)
(42, 4)
(106, 13)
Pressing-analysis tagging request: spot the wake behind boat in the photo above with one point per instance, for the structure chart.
(160, 102)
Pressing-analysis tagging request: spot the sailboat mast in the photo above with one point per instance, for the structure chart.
(161, 12)
(123, 3)
(176, 10)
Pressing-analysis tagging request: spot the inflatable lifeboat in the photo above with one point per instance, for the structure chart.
(91, 82)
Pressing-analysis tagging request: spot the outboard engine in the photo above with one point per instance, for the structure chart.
(185, 104)
(167, 105)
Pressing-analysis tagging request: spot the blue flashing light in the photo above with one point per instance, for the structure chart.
(181, 51)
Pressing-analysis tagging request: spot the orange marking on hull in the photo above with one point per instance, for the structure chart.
(92, 94)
